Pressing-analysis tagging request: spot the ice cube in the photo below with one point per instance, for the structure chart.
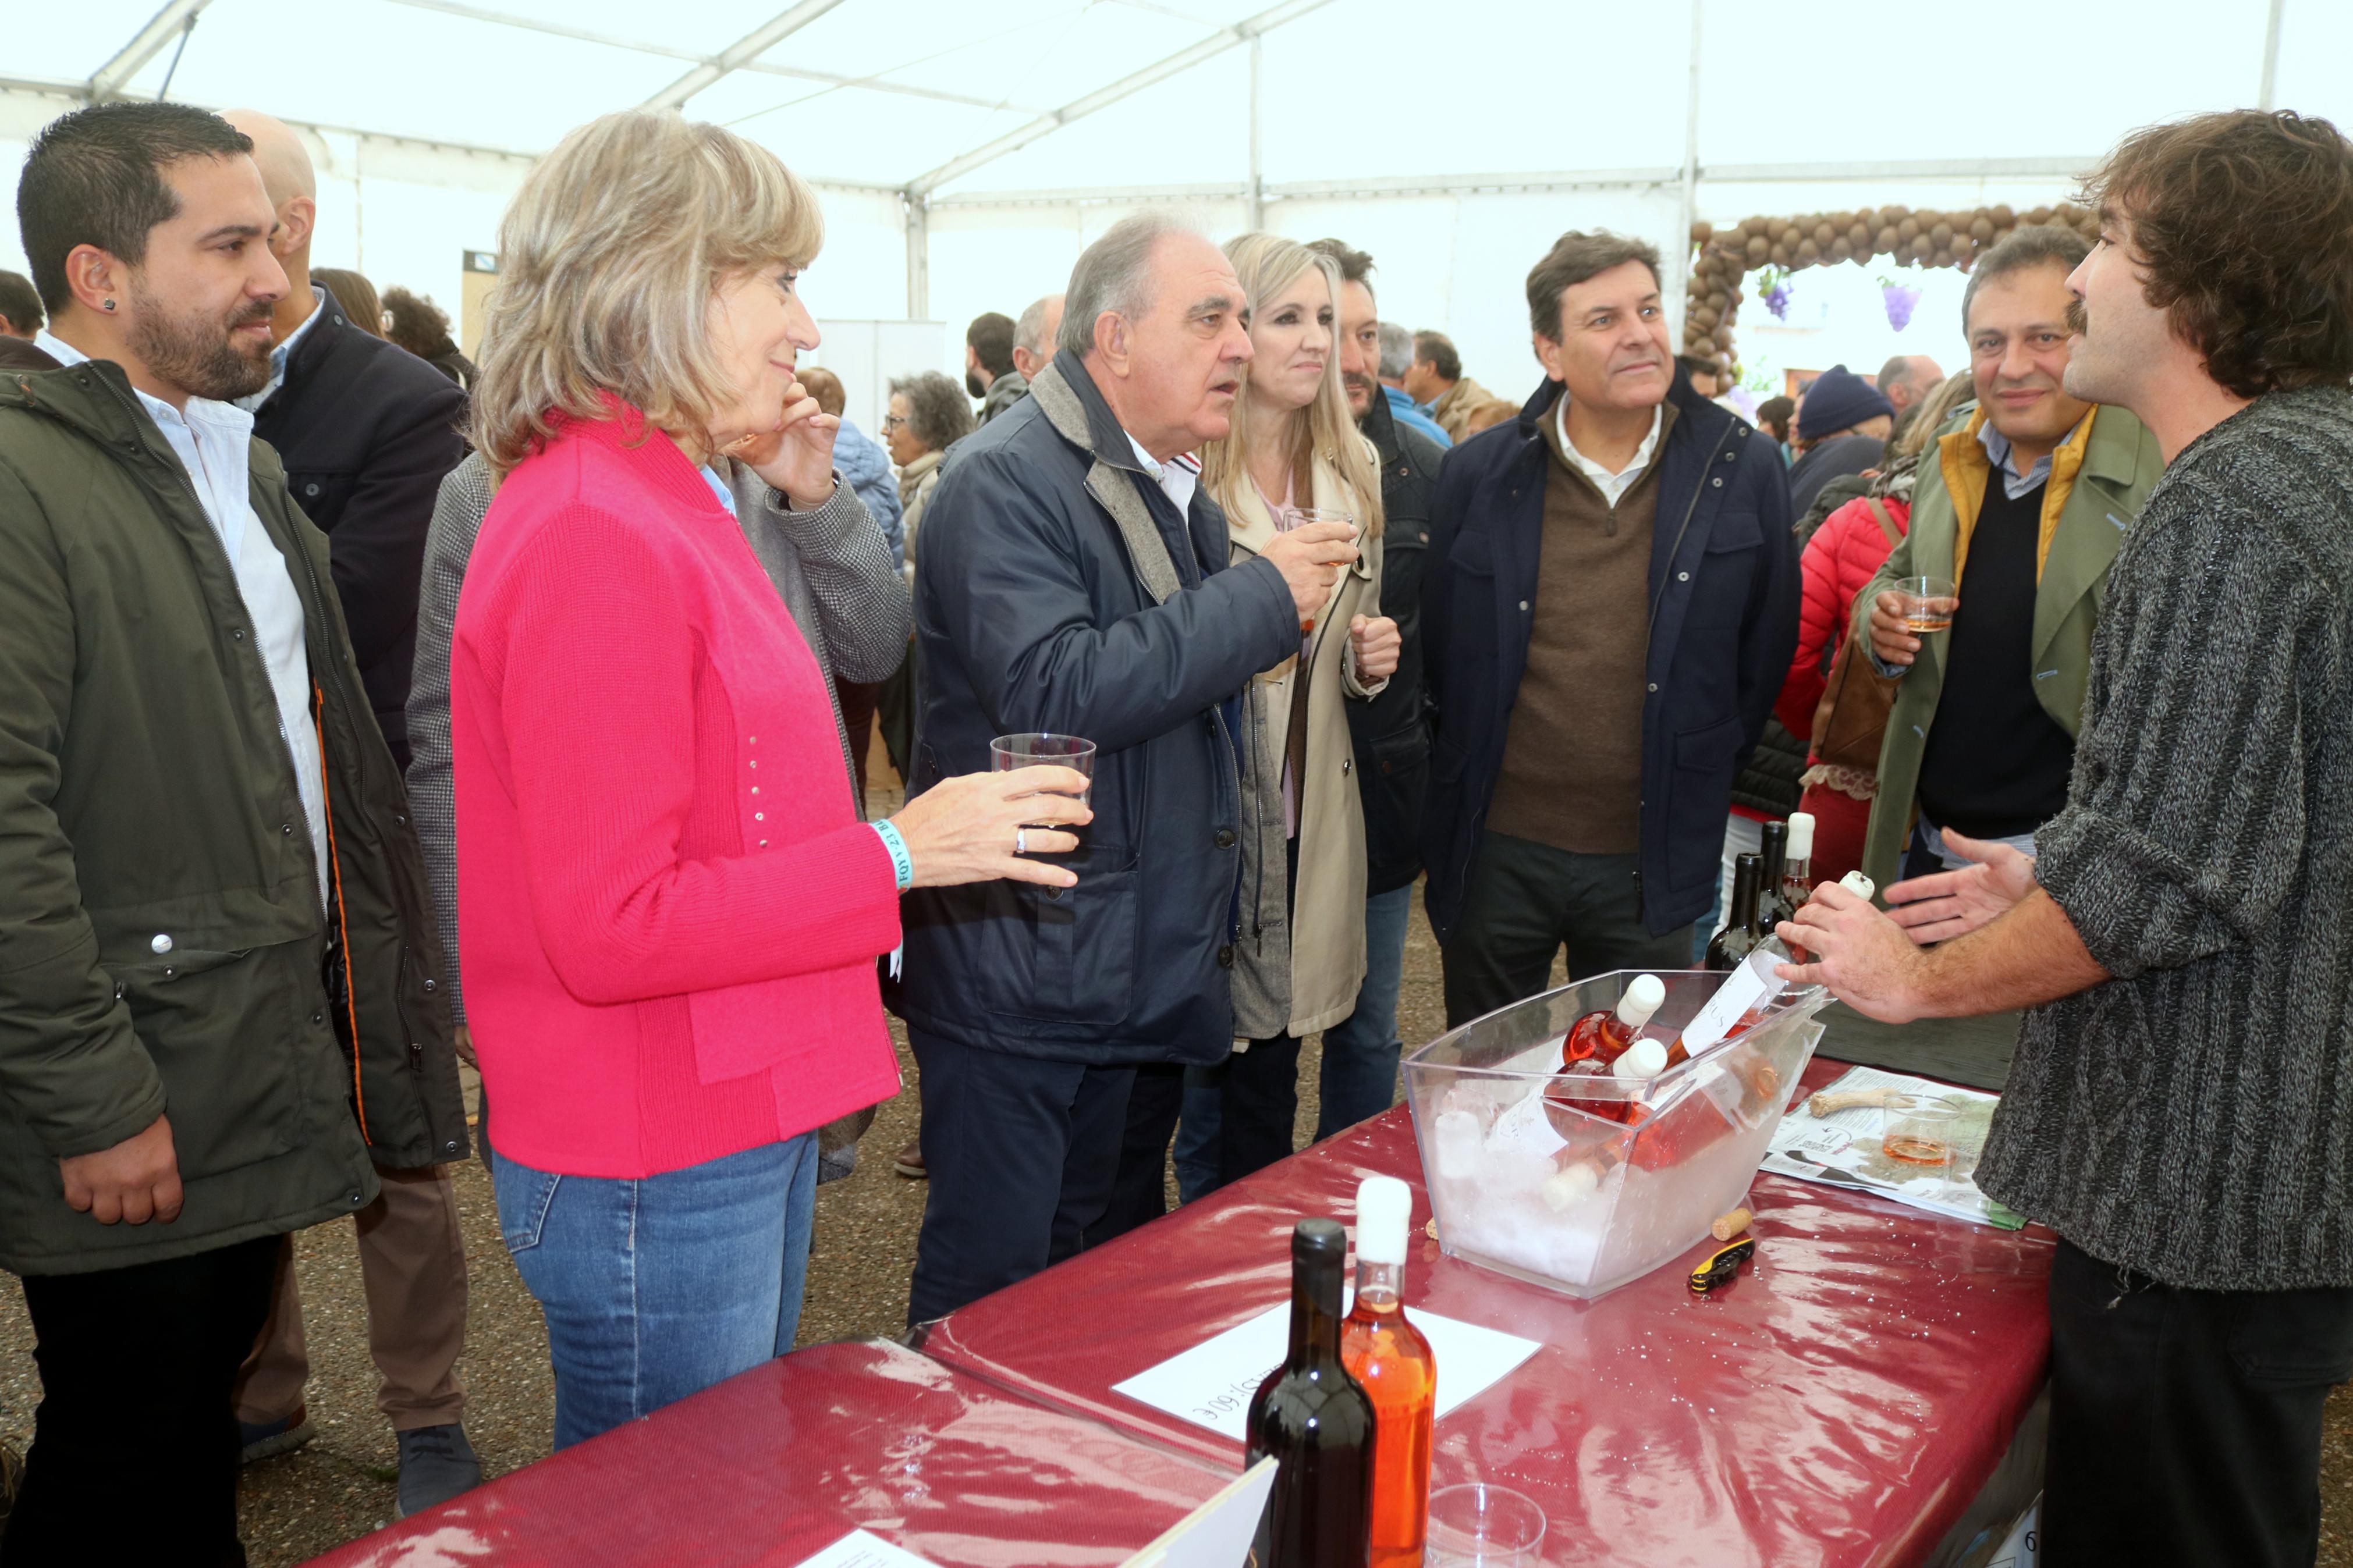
(1566, 1189)
(1459, 1143)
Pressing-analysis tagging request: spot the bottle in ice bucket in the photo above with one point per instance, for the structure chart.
(1752, 990)
(1738, 938)
(1604, 1034)
(1317, 1422)
(1387, 1355)
(1575, 1088)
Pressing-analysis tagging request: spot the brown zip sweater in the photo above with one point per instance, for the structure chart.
(1572, 773)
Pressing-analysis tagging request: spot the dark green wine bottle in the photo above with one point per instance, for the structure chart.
(1317, 1422)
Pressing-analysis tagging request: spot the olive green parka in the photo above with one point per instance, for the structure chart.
(162, 948)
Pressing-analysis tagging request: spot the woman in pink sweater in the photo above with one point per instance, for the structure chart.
(670, 912)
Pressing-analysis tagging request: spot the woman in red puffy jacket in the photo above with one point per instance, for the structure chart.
(1838, 561)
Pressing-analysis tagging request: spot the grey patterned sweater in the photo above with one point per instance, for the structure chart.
(833, 567)
(2193, 1118)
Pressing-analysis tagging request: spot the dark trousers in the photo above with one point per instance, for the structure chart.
(857, 698)
(1526, 901)
(134, 1444)
(1140, 1190)
(1021, 1154)
(2185, 1425)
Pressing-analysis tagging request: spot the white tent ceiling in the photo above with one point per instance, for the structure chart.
(968, 150)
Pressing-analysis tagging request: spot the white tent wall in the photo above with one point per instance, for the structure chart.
(1452, 144)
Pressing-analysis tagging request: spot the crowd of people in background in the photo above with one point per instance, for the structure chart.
(367, 706)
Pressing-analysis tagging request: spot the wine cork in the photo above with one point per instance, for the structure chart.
(1731, 1224)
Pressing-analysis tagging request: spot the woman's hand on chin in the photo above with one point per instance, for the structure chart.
(796, 456)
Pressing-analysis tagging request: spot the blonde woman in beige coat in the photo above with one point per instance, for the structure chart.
(1300, 952)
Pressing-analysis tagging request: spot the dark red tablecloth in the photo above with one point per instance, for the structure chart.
(777, 1464)
(1839, 1405)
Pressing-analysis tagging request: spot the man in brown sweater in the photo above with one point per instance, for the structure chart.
(1609, 606)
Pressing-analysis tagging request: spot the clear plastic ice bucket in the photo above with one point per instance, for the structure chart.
(1576, 1199)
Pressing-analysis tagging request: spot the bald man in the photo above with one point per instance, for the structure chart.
(1034, 334)
(1906, 382)
(366, 431)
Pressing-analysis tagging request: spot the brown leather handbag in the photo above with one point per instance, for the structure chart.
(1851, 716)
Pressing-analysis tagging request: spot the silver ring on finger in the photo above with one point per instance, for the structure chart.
(1021, 841)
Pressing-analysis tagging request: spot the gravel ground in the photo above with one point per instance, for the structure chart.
(340, 1485)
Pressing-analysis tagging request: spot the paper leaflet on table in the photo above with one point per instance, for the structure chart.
(1218, 1534)
(856, 1550)
(1210, 1384)
(1847, 1144)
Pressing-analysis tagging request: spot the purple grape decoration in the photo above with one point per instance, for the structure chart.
(1900, 299)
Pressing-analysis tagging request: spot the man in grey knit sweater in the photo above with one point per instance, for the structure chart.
(2181, 1107)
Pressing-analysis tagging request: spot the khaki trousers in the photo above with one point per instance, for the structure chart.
(413, 1265)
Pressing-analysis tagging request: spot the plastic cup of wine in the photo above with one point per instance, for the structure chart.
(1302, 516)
(1920, 1130)
(1482, 1526)
(1007, 752)
(1928, 603)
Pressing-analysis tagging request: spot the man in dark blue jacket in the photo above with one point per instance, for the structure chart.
(1073, 580)
(1610, 607)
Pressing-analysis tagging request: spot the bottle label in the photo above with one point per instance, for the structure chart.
(1524, 1129)
(1742, 989)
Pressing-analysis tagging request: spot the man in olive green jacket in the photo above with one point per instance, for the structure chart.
(218, 966)
(2022, 502)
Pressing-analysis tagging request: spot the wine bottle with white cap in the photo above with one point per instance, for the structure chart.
(1388, 1356)
(1604, 1034)
(1798, 862)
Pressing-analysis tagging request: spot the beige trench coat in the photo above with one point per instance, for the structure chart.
(1298, 972)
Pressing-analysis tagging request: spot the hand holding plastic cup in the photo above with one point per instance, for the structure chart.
(1007, 752)
(1928, 603)
(1482, 1526)
(1304, 515)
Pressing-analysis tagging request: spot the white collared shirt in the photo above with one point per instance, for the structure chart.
(283, 352)
(214, 443)
(1613, 486)
(1177, 477)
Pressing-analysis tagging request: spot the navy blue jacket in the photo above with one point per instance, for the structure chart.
(1033, 615)
(1391, 732)
(1724, 622)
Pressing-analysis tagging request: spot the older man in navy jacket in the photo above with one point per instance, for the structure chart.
(1609, 606)
(1073, 579)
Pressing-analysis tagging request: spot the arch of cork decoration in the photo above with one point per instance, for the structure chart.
(1725, 257)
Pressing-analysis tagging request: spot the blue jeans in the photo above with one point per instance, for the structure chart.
(657, 1288)
(1360, 1052)
(1360, 1055)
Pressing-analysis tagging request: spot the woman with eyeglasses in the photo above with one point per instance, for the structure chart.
(670, 912)
(927, 413)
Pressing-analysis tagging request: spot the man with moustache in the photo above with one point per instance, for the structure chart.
(218, 966)
(1610, 604)
(2178, 1105)
(1073, 579)
(2024, 506)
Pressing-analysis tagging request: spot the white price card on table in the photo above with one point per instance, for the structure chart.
(1210, 1384)
(859, 1550)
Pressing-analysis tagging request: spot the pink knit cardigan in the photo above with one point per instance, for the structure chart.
(668, 913)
